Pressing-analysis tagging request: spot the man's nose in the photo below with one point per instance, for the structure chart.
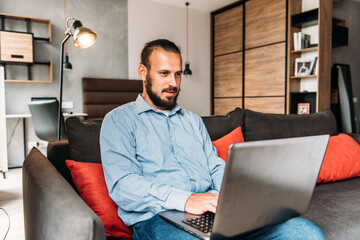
(172, 81)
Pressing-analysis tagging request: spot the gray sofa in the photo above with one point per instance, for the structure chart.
(54, 210)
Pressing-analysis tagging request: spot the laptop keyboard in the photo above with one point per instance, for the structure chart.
(202, 223)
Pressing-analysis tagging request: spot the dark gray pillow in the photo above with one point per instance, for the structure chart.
(220, 125)
(83, 138)
(262, 126)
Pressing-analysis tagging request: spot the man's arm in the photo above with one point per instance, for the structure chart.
(199, 203)
(123, 173)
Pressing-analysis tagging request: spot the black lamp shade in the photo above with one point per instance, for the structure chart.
(187, 70)
(66, 64)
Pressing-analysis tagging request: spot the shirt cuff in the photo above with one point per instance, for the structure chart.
(177, 199)
(213, 191)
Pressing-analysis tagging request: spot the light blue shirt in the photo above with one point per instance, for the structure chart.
(153, 160)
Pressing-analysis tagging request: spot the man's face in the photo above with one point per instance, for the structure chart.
(162, 81)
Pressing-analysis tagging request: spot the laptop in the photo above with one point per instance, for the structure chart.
(265, 183)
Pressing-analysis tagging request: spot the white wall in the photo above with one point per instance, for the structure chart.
(149, 20)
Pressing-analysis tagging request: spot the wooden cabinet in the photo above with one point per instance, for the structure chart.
(228, 31)
(17, 48)
(227, 83)
(249, 56)
(265, 22)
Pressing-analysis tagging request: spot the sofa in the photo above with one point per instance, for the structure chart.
(53, 208)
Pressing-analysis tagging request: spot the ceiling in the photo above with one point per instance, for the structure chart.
(201, 5)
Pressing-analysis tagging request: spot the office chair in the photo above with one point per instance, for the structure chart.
(45, 119)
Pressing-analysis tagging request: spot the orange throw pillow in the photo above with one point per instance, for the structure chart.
(222, 144)
(342, 159)
(90, 181)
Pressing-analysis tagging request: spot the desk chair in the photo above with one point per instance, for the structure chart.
(45, 119)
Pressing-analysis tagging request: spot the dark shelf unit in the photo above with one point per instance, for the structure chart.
(340, 34)
(302, 97)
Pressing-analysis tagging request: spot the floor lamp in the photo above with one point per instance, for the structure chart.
(83, 38)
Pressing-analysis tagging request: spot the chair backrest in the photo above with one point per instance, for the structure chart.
(101, 95)
(45, 119)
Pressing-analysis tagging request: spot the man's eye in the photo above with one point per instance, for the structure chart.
(178, 74)
(163, 73)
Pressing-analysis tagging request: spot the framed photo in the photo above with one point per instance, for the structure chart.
(303, 108)
(302, 66)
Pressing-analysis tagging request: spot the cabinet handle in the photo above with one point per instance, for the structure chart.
(17, 56)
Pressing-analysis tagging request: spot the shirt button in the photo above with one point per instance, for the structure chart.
(172, 138)
(192, 178)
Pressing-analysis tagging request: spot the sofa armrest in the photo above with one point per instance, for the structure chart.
(52, 209)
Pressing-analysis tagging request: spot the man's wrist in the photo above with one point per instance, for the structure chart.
(177, 199)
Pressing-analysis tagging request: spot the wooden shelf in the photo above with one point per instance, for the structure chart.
(307, 76)
(50, 80)
(4, 16)
(312, 49)
(7, 35)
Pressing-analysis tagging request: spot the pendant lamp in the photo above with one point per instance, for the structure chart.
(187, 70)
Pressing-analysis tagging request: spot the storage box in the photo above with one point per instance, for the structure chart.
(16, 47)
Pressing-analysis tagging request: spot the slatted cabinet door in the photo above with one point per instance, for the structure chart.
(228, 46)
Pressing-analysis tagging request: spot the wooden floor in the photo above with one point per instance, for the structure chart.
(11, 201)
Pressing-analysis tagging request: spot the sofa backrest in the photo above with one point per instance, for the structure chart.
(84, 135)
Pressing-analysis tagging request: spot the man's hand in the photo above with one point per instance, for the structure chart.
(199, 203)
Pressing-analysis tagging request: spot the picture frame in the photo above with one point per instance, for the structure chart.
(302, 66)
(303, 108)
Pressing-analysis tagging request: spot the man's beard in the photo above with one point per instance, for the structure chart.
(157, 101)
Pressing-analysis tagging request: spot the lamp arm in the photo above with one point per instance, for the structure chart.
(61, 85)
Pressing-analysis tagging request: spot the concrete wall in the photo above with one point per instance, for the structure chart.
(149, 20)
(107, 58)
(349, 10)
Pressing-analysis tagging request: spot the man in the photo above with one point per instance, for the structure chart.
(157, 156)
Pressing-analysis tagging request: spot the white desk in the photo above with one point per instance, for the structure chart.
(24, 116)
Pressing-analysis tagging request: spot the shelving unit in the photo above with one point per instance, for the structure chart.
(17, 48)
(331, 33)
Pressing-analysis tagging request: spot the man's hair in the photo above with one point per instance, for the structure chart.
(152, 45)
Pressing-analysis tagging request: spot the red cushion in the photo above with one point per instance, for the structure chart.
(341, 161)
(90, 181)
(222, 144)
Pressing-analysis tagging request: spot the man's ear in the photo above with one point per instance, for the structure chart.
(142, 72)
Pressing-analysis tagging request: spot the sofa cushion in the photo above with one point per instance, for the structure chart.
(335, 209)
(222, 144)
(90, 182)
(220, 125)
(342, 159)
(83, 138)
(262, 126)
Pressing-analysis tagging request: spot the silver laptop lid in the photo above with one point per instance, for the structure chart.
(267, 182)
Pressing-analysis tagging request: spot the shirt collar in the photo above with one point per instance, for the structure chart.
(142, 106)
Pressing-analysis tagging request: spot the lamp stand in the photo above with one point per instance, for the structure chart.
(61, 85)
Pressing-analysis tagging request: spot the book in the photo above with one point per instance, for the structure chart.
(313, 62)
(296, 41)
(316, 67)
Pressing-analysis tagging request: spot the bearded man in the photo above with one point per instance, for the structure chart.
(157, 156)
